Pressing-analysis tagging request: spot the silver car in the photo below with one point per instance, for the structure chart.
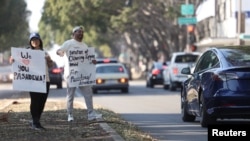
(172, 77)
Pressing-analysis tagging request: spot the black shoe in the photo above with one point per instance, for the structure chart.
(41, 127)
(37, 126)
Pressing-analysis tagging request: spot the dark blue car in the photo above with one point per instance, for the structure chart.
(218, 87)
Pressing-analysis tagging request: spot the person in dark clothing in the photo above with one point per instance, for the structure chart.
(38, 100)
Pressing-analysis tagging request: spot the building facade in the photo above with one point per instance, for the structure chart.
(218, 23)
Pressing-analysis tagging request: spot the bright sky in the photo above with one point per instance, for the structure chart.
(35, 6)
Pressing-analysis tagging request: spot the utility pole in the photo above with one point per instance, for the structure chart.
(187, 44)
(239, 20)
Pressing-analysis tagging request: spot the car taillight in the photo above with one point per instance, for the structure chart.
(121, 69)
(99, 81)
(156, 71)
(224, 76)
(56, 70)
(123, 80)
(175, 71)
(106, 61)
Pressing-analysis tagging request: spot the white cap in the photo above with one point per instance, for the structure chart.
(77, 28)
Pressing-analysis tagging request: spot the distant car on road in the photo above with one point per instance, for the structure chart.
(56, 75)
(172, 77)
(218, 87)
(6, 74)
(111, 75)
(154, 75)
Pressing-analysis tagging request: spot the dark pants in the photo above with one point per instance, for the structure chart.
(37, 104)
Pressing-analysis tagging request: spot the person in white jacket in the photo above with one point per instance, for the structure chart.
(77, 42)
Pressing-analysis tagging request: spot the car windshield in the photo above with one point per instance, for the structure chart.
(187, 58)
(110, 69)
(237, 57)
(158, 65)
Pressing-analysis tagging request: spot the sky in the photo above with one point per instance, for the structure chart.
(35, 6)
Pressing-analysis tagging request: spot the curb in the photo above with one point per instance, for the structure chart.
(112, 132)
(107, 128)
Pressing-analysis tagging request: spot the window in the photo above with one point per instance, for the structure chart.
(186, 58)
(110, 69)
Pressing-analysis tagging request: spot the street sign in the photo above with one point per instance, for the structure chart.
(244, 36)
(187, 9)
(187, 20)
(247, 14)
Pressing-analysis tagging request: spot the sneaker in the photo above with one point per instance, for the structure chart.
(70, 118)
(94, 116)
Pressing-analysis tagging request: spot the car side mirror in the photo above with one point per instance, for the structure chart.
(186, 71)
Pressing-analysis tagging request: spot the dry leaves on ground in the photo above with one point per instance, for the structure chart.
(15, 124)
(15, 118)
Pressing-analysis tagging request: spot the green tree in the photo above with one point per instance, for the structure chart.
(59, 18)
(14, 29)
(146, 28)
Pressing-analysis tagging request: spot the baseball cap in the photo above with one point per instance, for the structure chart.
(34, 35)
(77, 28)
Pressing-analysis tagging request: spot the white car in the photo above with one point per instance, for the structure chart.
(111, 76)
(172, 77)
(6, 74)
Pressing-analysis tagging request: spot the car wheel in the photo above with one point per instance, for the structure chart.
(94, 91)
(147, 84)
(59, 85)
(172, 86)
(124, 90)
(206, 119)
(166, 87)
(151, 84)
(186, 117)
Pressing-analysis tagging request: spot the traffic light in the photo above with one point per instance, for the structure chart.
(191, 34)
(191, 38)
(193, 48)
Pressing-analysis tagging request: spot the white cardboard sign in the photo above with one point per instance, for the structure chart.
(81, 69)
(29, 70)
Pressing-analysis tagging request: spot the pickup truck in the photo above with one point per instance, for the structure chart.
(172, 77)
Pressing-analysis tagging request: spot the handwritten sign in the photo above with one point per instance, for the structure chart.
(81, 69)
(29, 70)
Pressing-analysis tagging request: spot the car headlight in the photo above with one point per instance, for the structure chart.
(123, 80)
(99, 81)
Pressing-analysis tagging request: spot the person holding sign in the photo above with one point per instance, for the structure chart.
(38, 99)
(86, 90)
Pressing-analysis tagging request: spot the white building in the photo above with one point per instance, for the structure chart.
(223, 23)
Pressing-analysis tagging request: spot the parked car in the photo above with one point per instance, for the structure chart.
(111, 75)
(218, 88)
(154, 75)
(172, 77)
(56, 75)
(6, 74)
